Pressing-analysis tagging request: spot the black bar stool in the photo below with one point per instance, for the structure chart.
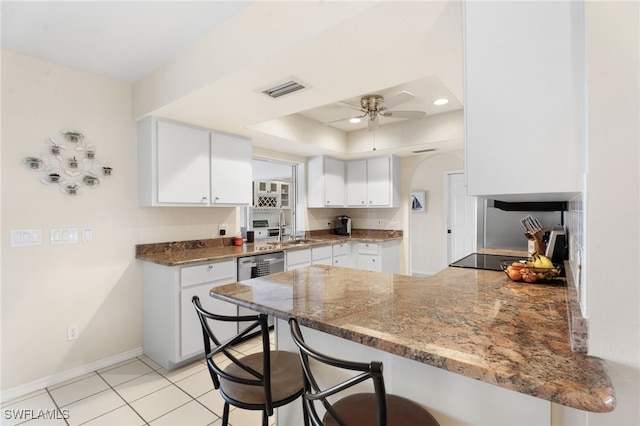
(360, 409)
(260, 381)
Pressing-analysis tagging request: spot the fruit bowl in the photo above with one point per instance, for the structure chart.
(523, 271)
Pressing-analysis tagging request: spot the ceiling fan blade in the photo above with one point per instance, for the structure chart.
(348, 105)
(345, 119)
(372, 124)
(396, 100)
(413, 115)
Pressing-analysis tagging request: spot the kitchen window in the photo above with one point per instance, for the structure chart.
(274, 191)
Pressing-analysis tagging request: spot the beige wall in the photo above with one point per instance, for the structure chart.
(96, 285)
(427, 230)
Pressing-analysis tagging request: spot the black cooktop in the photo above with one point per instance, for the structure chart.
(484, 261)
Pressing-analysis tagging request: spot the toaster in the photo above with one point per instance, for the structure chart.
(557, 245)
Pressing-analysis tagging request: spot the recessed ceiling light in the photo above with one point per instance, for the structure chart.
(354, 120)
(441, 101)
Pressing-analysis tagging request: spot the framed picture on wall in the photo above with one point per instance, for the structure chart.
(417, 201)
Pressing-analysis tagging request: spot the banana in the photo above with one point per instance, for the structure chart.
(545, 261)
(541, 261)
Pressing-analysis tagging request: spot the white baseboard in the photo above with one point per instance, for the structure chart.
(18, 391)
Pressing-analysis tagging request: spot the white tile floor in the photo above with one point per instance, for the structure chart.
(134, 392)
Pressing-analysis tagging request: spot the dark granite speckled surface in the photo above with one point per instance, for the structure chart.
(180, 253)
(471, 322)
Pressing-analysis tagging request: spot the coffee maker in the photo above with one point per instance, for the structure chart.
(343, 225)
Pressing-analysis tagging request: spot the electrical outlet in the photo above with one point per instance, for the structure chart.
(222, 229)
(72, 332)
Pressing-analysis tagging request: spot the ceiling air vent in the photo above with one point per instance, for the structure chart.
(283, 89)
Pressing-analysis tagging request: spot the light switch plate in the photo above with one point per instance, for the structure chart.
(59, 236)
(25, 237)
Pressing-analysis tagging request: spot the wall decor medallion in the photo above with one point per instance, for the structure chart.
(70, 165)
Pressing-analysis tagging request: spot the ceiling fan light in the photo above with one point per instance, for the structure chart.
(441, 101)
(354, 120)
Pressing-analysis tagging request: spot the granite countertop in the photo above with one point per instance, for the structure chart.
(181, 253)
(471, 322)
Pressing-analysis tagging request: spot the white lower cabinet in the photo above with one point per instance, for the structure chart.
(171, 331)
(321, 255)
(380, 257)
(295, 259)
(342, 255)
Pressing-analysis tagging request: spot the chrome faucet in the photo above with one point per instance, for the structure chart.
(281, 226)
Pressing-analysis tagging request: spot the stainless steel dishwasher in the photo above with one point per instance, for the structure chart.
(259, 266)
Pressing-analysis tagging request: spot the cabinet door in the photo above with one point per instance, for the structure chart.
(284, 195)
(368, 262)
(191, 342)
(321, 255)
(529, 100)
(334, 182)
(296, 259)
(379, 181)
(183, 164)
(230, 169)
(343, 260)
(357, 183)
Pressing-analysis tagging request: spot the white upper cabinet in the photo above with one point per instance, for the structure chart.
(524, 99)
(357, 183)
(230, 169)
(373, 182)
(180, 164)
(183, 164)
(325, 182)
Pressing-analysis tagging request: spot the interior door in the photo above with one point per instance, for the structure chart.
(461, 218)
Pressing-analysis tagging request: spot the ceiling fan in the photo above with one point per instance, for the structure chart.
(373, 106)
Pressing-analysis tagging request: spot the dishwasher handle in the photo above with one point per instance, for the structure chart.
(248, 263)
(273, 260)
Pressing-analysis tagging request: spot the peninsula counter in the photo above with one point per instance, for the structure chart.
(471, 345)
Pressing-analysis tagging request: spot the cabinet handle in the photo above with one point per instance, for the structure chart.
(210, 267)
(204, 198)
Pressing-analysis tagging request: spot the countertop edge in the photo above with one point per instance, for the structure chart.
(597, 398)
(189, 254)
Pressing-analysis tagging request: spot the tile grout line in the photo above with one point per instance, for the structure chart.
(175, 383)
(126, 403)
(117, 408)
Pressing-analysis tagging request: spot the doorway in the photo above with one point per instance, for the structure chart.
(461, 217)
(427, 230)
